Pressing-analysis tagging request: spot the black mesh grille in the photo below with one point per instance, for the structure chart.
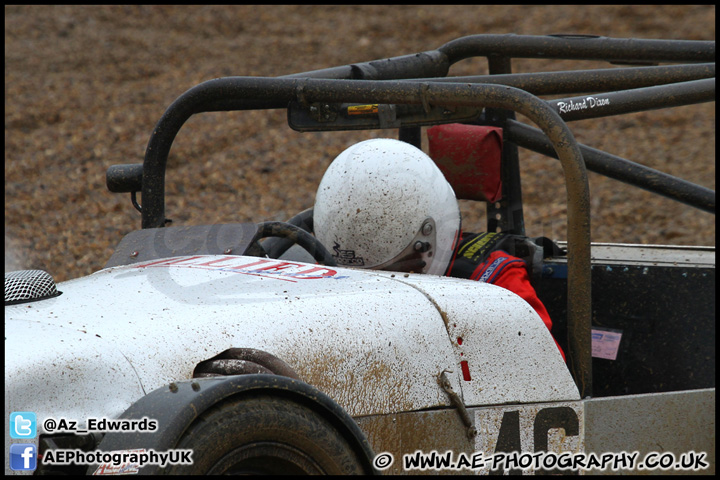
(28, 285)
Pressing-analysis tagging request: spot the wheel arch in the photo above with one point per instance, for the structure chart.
(177, 405)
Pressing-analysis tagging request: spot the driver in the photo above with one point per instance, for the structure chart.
(384, 204)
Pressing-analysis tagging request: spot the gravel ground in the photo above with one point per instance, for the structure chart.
(84, 87)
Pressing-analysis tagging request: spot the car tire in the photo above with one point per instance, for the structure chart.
(268, 434)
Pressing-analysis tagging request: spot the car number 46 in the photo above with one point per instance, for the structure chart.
(529, 428)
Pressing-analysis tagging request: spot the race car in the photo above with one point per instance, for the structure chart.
(245, 348)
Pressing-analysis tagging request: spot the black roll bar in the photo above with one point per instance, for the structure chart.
(618, 168)
(635, 100)
(580, 47)
(436, 63)
(589, 81)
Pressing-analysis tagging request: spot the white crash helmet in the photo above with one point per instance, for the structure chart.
(384, 204)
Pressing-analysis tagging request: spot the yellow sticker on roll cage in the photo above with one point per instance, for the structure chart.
(362, 109)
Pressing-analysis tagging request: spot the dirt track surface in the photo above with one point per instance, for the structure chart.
(84, 87)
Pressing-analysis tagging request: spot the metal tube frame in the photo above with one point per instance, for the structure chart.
(340, 84)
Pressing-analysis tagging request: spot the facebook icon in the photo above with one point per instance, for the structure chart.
(23, 456)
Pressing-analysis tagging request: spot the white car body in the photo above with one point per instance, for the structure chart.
(373, 341)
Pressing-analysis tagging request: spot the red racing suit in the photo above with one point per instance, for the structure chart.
(481, 257)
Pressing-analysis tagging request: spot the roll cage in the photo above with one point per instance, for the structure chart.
(413, 91)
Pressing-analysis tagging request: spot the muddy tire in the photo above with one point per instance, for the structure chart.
(268, 434)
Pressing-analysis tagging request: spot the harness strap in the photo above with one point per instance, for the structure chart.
(474, 250)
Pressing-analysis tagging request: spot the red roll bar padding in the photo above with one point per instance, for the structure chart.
(470, 158)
